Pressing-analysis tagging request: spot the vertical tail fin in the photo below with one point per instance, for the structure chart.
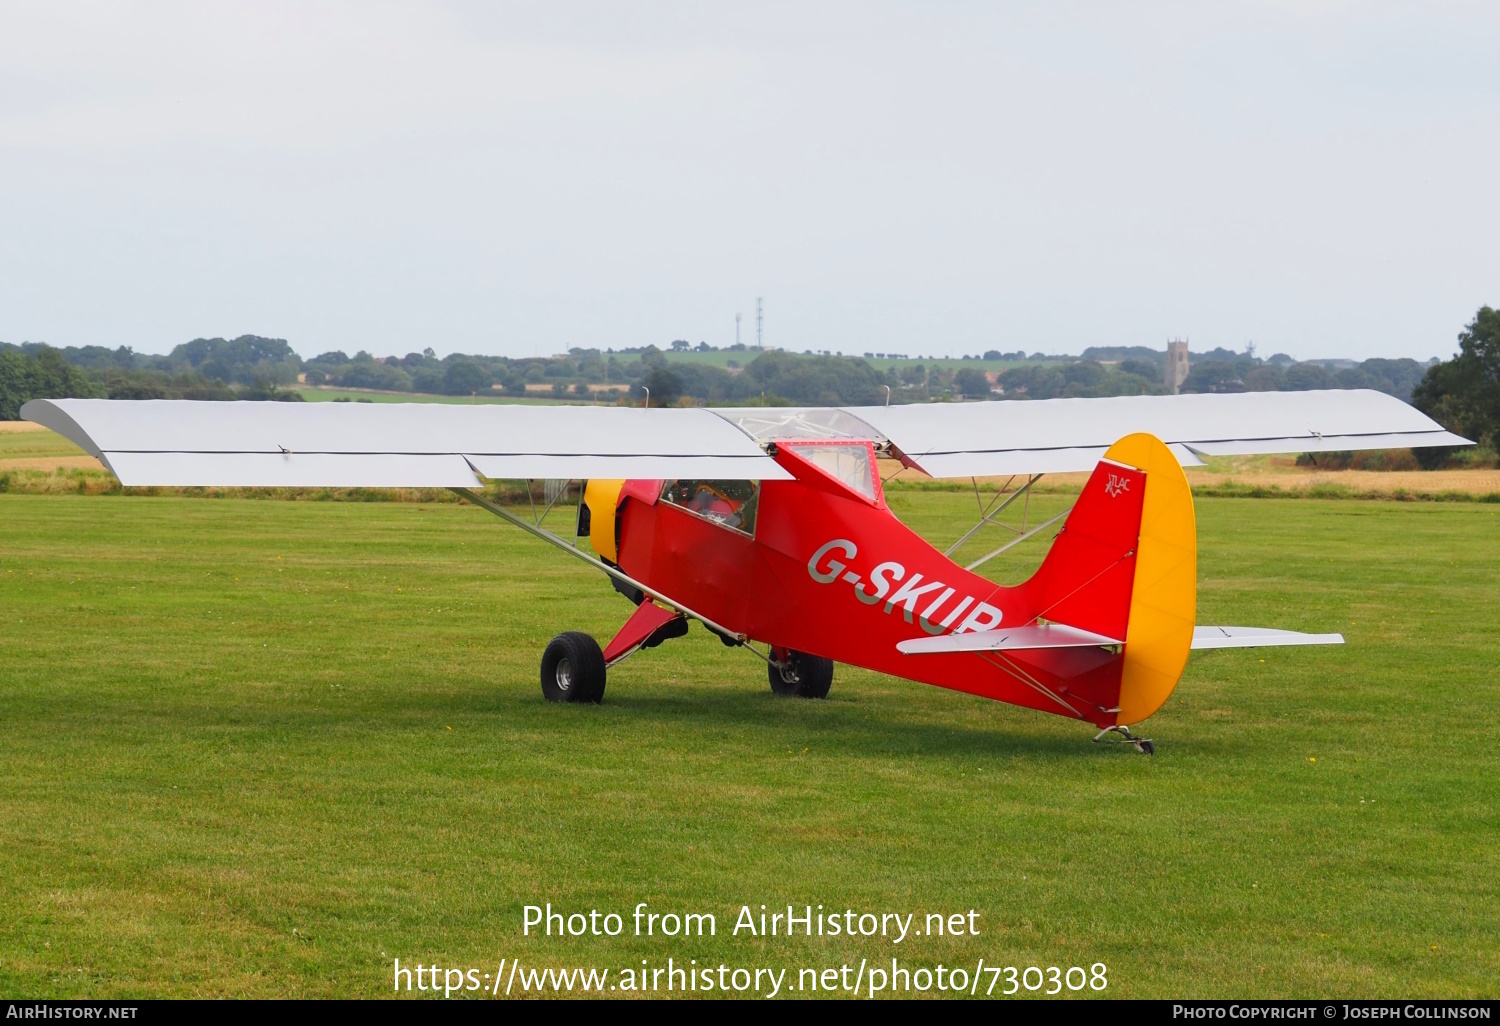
(1086, 578)
(1125, 566)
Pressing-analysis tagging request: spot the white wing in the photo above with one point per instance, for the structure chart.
(391, 445)
(1060, 435)
(157, 442)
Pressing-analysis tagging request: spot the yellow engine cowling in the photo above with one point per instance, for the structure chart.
(602, 499)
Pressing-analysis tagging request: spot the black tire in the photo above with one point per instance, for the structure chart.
(1145, 747)
(573, 669)
(807, 676)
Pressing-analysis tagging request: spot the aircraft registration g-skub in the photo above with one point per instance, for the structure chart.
(769, 526)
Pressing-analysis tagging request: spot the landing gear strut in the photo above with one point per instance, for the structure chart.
(1142, 744)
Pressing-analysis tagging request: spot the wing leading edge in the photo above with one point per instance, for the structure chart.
(396, 445)
(1065, 435)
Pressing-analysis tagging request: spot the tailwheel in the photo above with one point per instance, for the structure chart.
(799, 674)
(1142, 744)
(573, 669)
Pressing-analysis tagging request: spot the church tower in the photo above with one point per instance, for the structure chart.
(1177, 364)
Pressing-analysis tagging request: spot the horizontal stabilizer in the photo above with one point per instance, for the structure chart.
(1257, 637)
(1052, 635)
(1056, 635)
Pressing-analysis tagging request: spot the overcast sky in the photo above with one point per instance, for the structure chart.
(1318, 177)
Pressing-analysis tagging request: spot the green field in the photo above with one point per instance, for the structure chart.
(262, 748)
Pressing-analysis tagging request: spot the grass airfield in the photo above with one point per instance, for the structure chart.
(260, 748)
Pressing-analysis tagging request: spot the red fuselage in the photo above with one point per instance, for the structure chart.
(833, 573)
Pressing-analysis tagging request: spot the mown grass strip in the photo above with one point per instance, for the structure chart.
(255, 748)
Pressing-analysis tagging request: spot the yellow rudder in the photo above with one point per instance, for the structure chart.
(1164, 597)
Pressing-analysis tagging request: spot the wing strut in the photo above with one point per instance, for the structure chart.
(1018, 540)
(598, 564)
(987, 515)
(990, 515)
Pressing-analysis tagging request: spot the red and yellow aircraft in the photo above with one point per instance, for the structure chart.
(770, 526)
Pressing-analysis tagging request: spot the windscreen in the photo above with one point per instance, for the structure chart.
(849, 464)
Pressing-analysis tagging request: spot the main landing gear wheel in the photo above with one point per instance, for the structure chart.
(1142, 744)
(800, 674)
(573, 669)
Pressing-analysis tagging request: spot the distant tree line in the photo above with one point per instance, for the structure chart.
(773, 376)
(1242, 373)
(1085, 378)
(830, 379)
(47, 375)
(248, 367)
(248, 360)
(253, 367)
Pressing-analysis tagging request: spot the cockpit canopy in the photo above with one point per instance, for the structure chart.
(731, 504)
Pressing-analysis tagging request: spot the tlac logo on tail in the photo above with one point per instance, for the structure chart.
(1116, 486)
